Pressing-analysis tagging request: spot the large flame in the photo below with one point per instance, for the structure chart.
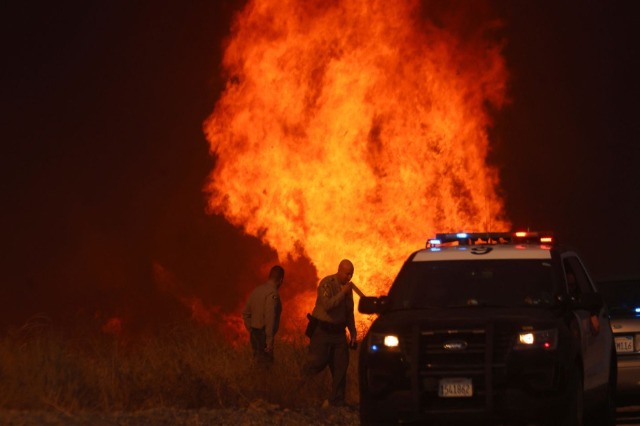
(354, 129)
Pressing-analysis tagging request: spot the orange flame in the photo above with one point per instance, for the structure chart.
(354, 130)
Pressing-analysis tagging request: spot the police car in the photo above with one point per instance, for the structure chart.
(489, 328)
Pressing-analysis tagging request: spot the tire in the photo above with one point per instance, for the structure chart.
(605, 413)
(574, 416)
(366, 416)
(369, 416)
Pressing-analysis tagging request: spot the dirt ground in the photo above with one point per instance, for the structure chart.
(258, 413)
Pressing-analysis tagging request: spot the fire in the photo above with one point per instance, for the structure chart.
(354, 129)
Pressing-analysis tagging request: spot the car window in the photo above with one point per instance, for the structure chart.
(521, 282)
(576, 277)
(622, 297)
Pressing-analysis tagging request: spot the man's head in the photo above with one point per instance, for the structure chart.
(345, 271)
(276, 275)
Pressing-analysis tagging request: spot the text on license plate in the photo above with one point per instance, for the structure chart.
(624, 344)
(455, 387)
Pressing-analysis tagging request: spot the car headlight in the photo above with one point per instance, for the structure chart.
(541, 339)
(383, 342)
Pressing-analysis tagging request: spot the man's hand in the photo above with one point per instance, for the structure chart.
(268, 349)
(346, 288)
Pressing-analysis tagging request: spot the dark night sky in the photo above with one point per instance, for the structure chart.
(104, 158)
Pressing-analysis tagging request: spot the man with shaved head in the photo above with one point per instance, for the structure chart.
(333, 312)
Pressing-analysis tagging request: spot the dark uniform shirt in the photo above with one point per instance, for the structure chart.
(333, 306)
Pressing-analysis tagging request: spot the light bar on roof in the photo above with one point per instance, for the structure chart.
(535, 237)
(490, 238)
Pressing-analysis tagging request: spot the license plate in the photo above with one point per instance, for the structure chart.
(455, 388)
(624, 344)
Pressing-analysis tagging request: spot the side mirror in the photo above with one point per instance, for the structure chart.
(372, 305)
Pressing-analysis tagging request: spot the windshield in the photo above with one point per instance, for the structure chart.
(527, 282)
(621, 296)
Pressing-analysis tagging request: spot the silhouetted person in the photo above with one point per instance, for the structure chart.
(261, 315)
(333, 312)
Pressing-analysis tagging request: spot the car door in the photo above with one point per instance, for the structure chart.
(594, 326)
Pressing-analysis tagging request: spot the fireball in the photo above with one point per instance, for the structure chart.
(354, 129)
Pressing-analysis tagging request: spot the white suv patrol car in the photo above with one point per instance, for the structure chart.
(489, 328)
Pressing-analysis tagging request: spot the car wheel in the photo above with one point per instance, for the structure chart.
(574, 416)
(369, 416)
(605, 413)
(366, 416)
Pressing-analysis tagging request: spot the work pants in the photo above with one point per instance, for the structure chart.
(332, 350)
(258, 340)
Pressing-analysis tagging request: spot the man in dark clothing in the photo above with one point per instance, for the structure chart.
(333, 312)
(261, 315)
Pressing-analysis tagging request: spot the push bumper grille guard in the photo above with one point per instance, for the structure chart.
(476, 353)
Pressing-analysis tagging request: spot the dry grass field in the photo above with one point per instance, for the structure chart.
(184, 374)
